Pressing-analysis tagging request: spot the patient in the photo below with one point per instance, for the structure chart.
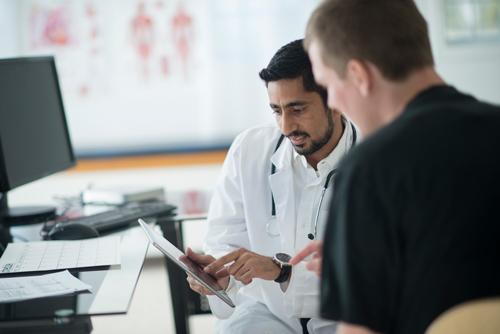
(414, 225)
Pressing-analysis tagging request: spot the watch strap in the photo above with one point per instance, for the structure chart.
(284, 275)
(281, 260)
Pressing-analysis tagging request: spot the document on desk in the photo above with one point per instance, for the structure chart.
(14, 289)
(53, 255)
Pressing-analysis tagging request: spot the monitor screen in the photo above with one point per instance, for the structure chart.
(34, 137)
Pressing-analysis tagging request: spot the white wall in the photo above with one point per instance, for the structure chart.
(222, 95)
(195, 82)
(473, 67)
(9, 38)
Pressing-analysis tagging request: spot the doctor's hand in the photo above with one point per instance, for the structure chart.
(203, 260)
(245, 265)
(316, 249)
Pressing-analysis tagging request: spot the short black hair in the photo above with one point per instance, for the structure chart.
(290, 62)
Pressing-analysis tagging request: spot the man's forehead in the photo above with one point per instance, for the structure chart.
(289, 84)
(288, 89)
(291, 99)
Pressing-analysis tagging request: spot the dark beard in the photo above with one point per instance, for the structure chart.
(316, 144)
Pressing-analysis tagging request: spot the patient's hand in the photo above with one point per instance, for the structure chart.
(204, 260)
(316, 249)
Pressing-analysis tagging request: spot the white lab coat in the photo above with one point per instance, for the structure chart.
(238, 215)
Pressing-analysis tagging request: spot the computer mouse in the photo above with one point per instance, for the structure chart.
(72, 231)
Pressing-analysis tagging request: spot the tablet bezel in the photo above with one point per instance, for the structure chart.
(202, 277)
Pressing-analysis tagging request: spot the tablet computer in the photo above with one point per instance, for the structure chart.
(185, 263)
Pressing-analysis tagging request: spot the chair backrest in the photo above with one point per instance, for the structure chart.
(480, 316)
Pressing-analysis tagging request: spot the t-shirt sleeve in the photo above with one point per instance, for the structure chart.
(359, 275)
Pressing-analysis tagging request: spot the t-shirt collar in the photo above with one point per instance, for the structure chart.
(429, 94)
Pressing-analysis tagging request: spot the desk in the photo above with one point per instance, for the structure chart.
(174, 180)
(113, 288)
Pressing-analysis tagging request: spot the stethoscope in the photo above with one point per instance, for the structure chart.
(313, 232)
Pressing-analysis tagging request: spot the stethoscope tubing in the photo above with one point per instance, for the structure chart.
(314, 228)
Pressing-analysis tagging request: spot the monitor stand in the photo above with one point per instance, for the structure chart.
(22, 215)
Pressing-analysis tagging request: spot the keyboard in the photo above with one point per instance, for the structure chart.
(123, 216)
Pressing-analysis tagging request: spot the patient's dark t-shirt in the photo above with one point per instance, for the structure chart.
(414, 226)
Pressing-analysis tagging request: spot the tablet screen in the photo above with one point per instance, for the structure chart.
(197, 269)
(180, 258)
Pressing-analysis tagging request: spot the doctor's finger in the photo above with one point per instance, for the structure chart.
(246, 278)
(192, 285)
(240, 272)
(312, 247)
(197, 287)
(201, 290)
(221, 273)
(219, 263)
(199, 258)
(315, 266)
(236, 266)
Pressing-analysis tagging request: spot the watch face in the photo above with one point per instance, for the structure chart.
(283, 257)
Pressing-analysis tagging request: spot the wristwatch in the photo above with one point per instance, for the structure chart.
(281, 260)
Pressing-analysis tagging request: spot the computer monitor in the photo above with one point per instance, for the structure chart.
(34, 136)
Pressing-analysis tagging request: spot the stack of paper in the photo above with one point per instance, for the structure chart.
(53, 255)
(15, 289)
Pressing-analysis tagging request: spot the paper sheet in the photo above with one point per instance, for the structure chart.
(53, 255)
(13, 289)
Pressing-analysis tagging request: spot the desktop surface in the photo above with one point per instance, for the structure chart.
(112, 287)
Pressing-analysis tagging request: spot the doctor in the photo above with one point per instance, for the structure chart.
(271, 200)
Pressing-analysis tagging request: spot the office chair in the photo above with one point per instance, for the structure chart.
(481, 316)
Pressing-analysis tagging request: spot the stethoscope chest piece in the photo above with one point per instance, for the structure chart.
(272, 227)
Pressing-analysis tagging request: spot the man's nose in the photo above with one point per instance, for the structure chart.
(288, 124)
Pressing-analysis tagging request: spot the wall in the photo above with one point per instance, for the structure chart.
(123, 95)
(473, 67)
(9, 40)
(156, 75)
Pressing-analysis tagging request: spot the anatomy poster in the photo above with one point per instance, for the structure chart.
(147, 75)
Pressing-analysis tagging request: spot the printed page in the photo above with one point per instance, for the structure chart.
(53, 255)
(14, 289)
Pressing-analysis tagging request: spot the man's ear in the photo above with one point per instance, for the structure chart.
(359, 74)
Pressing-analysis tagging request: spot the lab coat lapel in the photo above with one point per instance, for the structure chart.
(282, 186)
